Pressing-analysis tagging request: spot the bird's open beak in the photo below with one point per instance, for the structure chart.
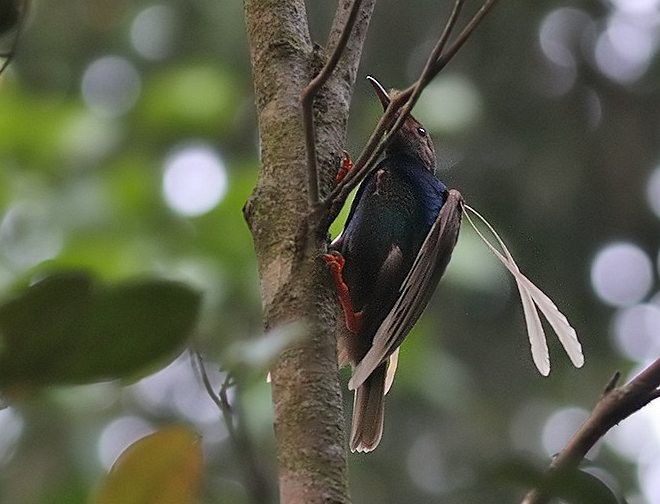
(383, 96)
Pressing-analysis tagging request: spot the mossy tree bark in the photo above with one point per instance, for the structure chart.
(309, 420)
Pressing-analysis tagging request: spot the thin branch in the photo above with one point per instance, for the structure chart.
(401, 104)
(368, 159)
(427, 73)
(220, 398)
(256, 484)
(463, 37)
(439, 59)
(310, 92)
(616, 404)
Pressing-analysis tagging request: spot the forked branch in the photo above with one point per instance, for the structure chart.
(616, 404)
(256, 483)
(400, 105)
(403, 102)
(310, 92)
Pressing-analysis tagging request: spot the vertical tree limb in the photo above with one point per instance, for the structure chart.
(307, 402)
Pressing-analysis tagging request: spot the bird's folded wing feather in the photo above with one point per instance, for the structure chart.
(416, 289)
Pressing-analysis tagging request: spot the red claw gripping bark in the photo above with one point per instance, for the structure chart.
(345, 168)
(335, 262)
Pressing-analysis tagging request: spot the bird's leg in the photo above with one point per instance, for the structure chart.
(335, 262)
(345, 167)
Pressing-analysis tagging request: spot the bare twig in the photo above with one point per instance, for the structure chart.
(439, 59)
(427, 73)
(401, 104)
(220, 398)
(408, 98)
(462, 37)
(616, 404)
(310, 92)
(256, 483)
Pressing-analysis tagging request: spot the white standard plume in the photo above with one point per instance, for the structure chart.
(534, 299)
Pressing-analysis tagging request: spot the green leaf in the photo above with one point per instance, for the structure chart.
(68, 329)
(162, 468)
(37, 325)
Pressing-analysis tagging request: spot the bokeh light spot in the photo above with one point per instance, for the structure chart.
(11, 427)
(119, 435)
(559, 428)
(426, 467)
(450, 103)
(152, 32)
(621, 274)
(637, 439)
(111, 86)
(28, 235)
(649, 480)
(638, 7)
(635, 331)
(627, 441)
(653, 191)
(195, 180)
(527, 423)
(624, 49)
(560, 31)
(177, 390)
(560, 34)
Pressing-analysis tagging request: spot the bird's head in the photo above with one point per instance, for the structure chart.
(412, 138)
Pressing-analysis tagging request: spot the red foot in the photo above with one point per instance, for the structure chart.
(335, 262)
(345, 167)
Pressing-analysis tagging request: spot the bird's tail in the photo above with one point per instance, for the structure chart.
(369, 411)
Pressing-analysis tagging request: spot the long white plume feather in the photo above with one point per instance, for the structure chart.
(532, 298)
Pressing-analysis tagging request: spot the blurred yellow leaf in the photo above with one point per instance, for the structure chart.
(162, 468)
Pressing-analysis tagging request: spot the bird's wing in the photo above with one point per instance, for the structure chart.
(416, 289)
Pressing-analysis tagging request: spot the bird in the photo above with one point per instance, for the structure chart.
(396, 244)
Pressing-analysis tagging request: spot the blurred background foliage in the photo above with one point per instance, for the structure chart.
(128, 145)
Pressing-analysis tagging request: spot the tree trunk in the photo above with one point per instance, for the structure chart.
(307, 401)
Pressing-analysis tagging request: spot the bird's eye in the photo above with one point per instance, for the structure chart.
(421, 131)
